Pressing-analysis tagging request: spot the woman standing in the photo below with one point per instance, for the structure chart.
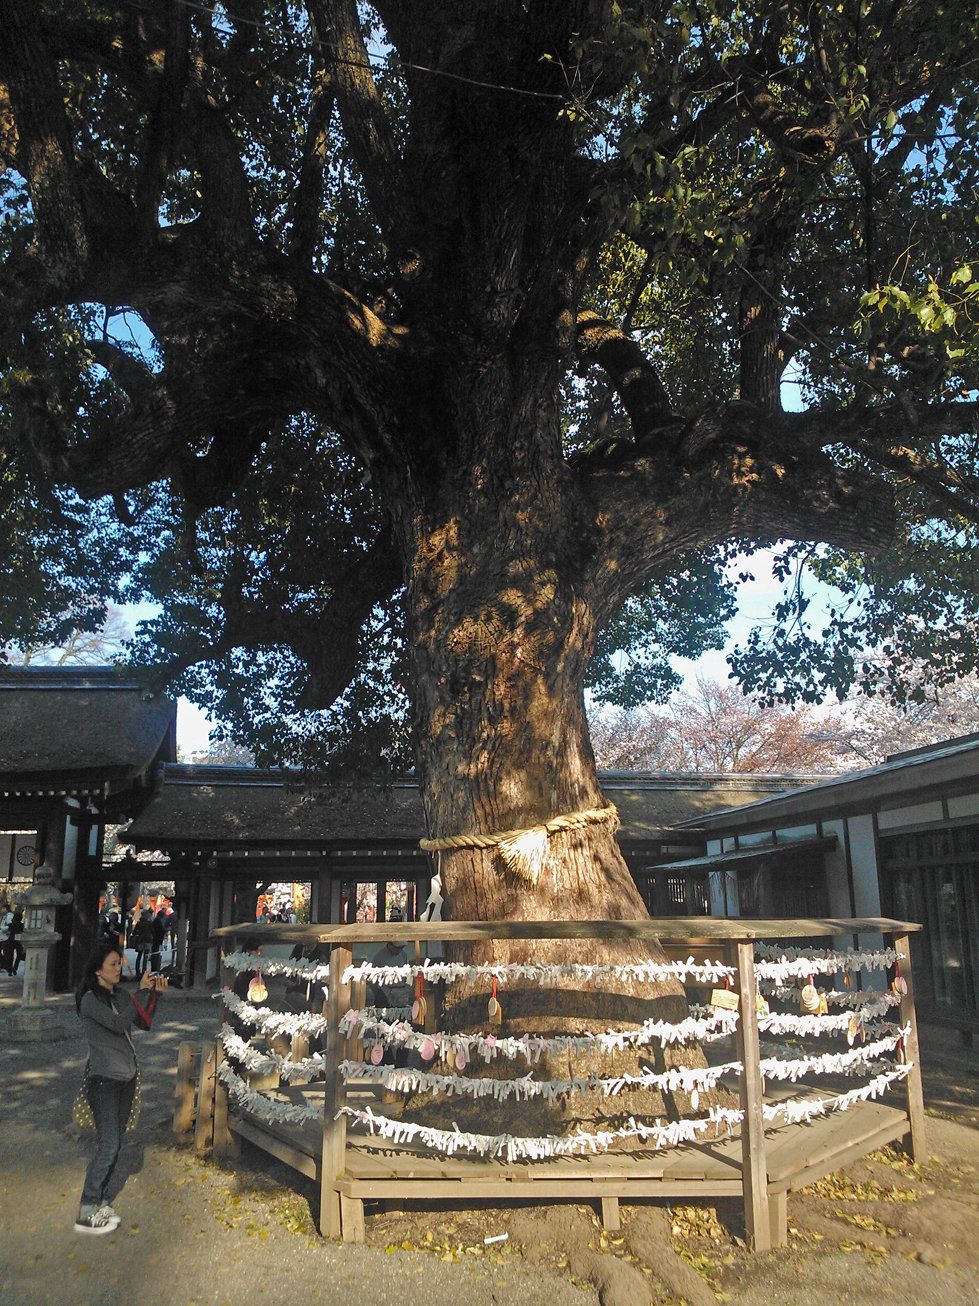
(108, 1014)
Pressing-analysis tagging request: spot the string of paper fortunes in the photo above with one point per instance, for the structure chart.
(774, 965)
(686, 1079)
(772, 970)
(514, 1149)
(705, 1024)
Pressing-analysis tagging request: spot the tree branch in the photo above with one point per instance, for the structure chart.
(306, 222)
(337, 25)
(45, 148)
(728, 484)
(329, 644)
(161, 136)
(629, 372)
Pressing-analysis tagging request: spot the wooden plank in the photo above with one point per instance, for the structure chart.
(293, 1135)
(659, 927)
(407, 1165)
(352, 1218)
(915, 1095)
(754, 1172)
(887, 1133)
(204, 1125)
(778, 1231)
(261, 1138)
(579, 1190)
(224, 1143)
(811, 1146)
(334, 1130)
(663, 927)
(793, 1145)
(184, 1091)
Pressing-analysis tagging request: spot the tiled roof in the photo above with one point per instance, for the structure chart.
(79, 722)
(214, 806)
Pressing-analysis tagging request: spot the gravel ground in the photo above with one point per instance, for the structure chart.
(195, 1232)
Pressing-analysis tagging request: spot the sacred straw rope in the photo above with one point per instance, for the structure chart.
(525, 851)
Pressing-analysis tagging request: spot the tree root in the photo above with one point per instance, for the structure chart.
(567, 1230)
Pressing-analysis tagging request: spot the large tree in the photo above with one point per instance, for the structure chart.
(302, 307)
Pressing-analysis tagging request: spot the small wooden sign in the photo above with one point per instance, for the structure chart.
(724, 999)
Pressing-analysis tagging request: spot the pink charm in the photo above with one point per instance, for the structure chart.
(377, 1054)
(428, 1050)
(490, 1040)
(353, 1016)
(461, 1059)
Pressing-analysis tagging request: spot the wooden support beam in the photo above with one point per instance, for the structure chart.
(334, 1129)
(754, 1172)
(352, 1219)
(224, 1142)
(204, 1127)
(664, 927)
(183, 1105)
(610, 1214)
(916, 1099)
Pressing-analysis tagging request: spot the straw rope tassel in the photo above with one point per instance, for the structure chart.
(525, 851)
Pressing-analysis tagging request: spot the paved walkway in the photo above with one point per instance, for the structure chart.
(191, 1233)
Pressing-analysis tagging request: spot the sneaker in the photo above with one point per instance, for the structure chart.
(106, 1210)
(96, 1223)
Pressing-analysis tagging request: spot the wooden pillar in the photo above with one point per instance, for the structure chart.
(204, 1127)
(916, 1100)
(225, 1143)
(754, 1170)
(335, 1095)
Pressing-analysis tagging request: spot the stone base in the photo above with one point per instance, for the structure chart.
(40, 1025)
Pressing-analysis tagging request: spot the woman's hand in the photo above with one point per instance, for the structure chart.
(161, 982)
(148, 981)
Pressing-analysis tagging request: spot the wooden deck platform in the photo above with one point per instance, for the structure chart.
(759, 1164)
(377, 1170)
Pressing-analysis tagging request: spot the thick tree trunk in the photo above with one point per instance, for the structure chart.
(502, 629)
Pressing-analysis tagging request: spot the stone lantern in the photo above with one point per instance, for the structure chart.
(34, 1021)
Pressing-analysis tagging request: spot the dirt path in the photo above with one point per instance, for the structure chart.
(196, 1233)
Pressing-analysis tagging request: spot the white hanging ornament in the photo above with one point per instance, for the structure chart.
(809, 998)
(851, 1030)
(694, 1100)
(257, 992)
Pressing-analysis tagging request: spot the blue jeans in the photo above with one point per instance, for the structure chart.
(111, 1101)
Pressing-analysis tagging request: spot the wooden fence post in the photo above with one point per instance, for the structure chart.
(225, 1144)
(754, 1170)
(916, 1100)
(183, 1106)
(335, 1095)
(204, 1128)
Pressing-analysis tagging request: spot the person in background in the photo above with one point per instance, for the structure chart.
(158, 932)
(142, 940)
(13, 952)
(108, 1013)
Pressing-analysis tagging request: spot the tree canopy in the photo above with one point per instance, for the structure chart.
(279, 280)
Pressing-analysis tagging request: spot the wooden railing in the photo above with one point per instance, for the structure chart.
(737, 935)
